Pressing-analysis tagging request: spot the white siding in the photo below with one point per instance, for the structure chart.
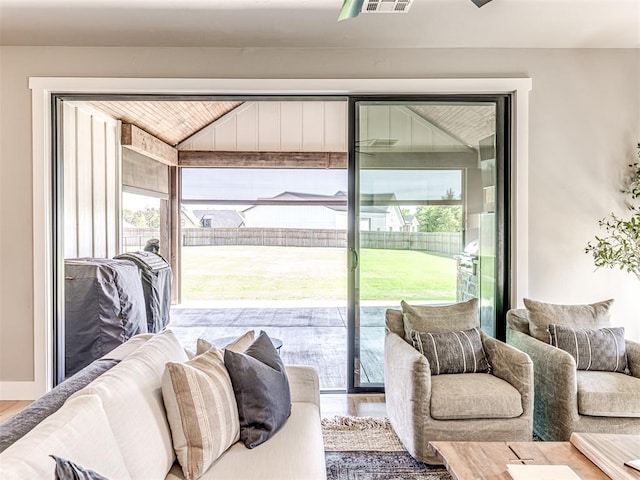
(294, 216)
(91, 183)
(312, 126)
(412, 132)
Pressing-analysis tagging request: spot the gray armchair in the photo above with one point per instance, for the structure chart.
(569, 400)
(458, 407)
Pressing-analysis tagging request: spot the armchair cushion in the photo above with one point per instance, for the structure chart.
(542, 314)
(453, 352)
(593, 349)
(473, 396)
(608, 394)
(439, 318)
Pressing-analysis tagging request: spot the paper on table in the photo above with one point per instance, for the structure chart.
(633, 464)
(541, 472)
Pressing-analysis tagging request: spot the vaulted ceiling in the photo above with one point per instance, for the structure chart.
(170, 121)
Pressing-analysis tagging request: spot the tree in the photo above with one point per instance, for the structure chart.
(620, 248)
(440, 218)
(147, 218)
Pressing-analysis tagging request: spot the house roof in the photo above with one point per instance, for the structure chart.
(220, 218)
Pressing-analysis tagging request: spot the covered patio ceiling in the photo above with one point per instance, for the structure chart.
(173, 121)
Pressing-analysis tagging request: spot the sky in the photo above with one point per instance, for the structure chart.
(244, 184)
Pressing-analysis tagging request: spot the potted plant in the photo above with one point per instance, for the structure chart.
(620, 247)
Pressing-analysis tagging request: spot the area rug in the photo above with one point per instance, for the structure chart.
(366, 448)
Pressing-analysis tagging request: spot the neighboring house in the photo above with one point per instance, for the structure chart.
(311, 211)
(410, 223)
(188, 218)
(219, 218)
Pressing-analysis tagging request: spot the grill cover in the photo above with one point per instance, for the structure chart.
(155, 274)
(104, 307)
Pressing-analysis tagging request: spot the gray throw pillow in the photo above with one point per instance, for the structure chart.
(541, 315)
(67, 470)
(261, 387)
(452, 352)
(593, 349)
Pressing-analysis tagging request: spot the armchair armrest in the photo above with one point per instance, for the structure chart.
(407, 389)
(633, 357)
(556, 386)
(512, 366)
(304, 384)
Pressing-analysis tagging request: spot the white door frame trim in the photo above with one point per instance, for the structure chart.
(43, 88)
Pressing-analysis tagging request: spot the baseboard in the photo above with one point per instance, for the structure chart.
(17, 390)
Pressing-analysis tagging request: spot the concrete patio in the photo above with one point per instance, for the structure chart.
(314, 336)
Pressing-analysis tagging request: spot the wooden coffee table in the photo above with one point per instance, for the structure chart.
(609, 452)
(488, 460)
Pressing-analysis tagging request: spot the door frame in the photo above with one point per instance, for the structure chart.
(43, 90)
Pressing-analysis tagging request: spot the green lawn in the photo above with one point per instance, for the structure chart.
(295, 273)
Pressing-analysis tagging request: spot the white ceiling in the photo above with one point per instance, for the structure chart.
(312, 23)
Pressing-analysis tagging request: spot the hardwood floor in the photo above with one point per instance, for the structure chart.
(8, 408)
(358, 405)
(331, 404)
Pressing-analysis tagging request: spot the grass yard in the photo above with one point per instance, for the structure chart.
(296, 273)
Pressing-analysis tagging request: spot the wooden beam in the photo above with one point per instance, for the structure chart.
(224, 159)
(142, 142)
(377, 160)
(175, 234)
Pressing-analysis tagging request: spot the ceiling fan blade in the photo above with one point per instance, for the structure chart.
(480, 3)
(350, 9)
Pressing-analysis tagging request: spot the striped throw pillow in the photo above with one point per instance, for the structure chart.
(593, 349)
(452, 352)
(201, 410)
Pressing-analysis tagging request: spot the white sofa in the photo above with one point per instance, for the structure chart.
(117, 427)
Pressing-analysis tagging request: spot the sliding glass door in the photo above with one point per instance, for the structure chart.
(427, 218)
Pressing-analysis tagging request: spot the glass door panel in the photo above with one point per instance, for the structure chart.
(425, 216)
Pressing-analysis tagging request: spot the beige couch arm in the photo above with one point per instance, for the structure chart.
(304, 384)
(633, 357)
(407, 390)
(556, 387)
(512, 366)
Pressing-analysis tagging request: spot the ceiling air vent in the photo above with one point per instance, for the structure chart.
(386, 6)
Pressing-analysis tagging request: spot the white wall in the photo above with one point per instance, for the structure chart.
(584, 124)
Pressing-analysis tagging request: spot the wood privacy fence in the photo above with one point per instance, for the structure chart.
(448, 243)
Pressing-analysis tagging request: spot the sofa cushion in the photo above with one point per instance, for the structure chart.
(131, 395)
(473, 395)
(542, 314)
(592, 349)
(79, 432)
(608, 394)
(261, 388)
(453, 352)
(21, 423)
(127, 348)
(296, 451)
(439, 318)
(201, 409)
